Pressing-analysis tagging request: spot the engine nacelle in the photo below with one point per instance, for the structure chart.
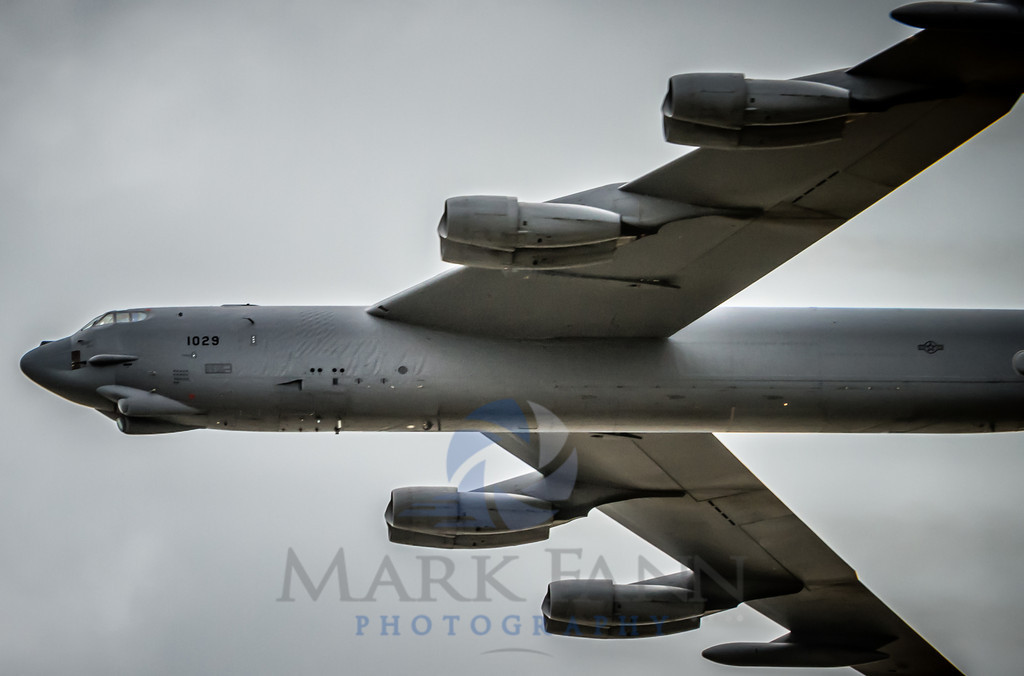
(726, 110)
(501, 232)
(467, 540)
(602, 609)
(730, 101)
(445, 517)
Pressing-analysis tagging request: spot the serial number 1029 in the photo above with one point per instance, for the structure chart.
(202, 340)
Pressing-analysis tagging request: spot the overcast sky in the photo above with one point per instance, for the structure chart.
(177, 153)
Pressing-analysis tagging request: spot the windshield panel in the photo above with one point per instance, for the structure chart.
(119, 317)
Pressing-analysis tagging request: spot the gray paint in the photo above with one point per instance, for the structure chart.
(321, 369)
(151, 572)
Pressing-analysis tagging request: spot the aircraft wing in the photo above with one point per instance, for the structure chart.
(720, 519)
(739, 213)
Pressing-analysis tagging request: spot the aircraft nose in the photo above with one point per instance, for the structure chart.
(44, 364)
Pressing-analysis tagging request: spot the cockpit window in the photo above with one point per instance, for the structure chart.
(121, 317)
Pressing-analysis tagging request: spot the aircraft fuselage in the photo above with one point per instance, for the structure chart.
(735, 370)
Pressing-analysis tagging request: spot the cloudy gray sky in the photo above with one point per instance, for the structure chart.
(175, 153)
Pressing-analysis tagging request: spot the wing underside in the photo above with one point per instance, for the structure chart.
(720, 519)
(739, 214)
(701, 229)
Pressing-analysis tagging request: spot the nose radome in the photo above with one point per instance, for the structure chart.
(31, 364)
(43, 363)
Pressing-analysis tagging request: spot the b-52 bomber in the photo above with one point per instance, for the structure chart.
(583, 335)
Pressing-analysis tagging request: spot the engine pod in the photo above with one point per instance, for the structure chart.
(446, 511)
(505, 224)
(782, 136)
(527, 259)
(485, 231)
(730, 101)
(602, 609)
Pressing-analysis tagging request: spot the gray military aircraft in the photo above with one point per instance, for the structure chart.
(582, 336)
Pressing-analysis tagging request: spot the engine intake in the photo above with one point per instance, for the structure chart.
(447, 518)
(726, 110)
(502, 232)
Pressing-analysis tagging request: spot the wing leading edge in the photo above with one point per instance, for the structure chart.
(728, 217)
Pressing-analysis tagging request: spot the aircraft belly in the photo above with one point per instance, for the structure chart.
(742, 370)
(737, 370)
(723, 405)
(756, 407)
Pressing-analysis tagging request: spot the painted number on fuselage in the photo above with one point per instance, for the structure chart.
(203, 340)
